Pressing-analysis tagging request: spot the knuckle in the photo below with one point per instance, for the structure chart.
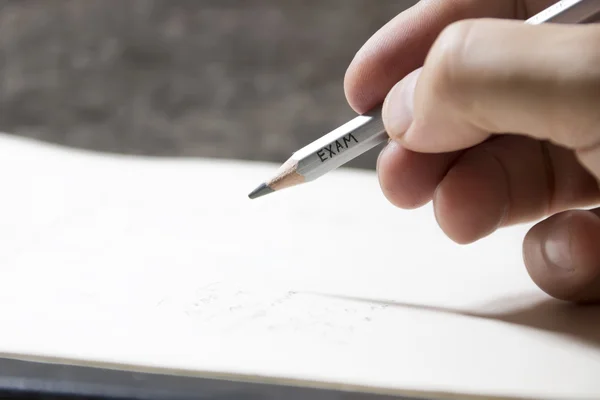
(581, 129)
(446, 59)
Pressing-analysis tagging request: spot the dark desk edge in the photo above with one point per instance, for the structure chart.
(26, 379)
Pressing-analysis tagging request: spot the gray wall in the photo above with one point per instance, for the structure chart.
(249, 79)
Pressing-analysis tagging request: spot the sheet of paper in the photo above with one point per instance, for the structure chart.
(165, 265)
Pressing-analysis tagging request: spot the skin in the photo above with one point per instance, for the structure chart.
(497, 122)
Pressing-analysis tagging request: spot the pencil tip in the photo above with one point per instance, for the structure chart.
(262, 190)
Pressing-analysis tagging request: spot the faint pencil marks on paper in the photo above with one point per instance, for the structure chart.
(230, 309)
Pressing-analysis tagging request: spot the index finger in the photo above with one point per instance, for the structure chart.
(402, 44)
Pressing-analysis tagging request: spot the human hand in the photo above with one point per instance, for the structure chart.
(497, 122)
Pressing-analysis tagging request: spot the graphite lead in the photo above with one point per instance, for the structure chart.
(261, 190)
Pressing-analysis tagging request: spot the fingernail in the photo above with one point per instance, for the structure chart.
(557, 248)
(397, 109)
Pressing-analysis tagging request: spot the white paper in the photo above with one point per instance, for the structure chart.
(166, 265)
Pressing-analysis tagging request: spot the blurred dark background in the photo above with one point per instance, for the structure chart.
(246, 79)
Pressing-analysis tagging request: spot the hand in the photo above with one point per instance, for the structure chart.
(497, 122)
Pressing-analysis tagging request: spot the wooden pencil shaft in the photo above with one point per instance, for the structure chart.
(341, 145)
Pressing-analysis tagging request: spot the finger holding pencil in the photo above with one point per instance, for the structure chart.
(367, 130)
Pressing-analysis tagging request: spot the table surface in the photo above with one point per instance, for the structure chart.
(245, 79)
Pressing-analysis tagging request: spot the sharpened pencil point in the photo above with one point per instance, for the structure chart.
(262, 190)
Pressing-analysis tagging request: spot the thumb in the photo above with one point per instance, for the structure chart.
(485, 77)
(563, 257)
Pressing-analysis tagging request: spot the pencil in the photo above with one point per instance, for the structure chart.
(366, 131)
(327, 153)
